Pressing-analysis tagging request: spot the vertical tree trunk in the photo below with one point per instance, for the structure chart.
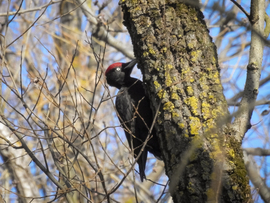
(179, 63)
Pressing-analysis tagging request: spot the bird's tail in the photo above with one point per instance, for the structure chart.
(142, 164)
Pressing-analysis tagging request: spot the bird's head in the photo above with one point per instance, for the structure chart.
(118, 74)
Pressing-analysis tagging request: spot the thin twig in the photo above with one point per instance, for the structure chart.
(241, 8)
(29, 26)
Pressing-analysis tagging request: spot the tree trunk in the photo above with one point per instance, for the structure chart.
(203, 160)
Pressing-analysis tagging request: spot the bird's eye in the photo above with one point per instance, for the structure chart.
(118, 69)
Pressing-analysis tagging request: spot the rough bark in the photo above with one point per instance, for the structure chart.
(203, 160)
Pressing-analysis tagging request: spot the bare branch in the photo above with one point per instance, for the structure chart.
(242, 120)
(257, 151)
(255, 178)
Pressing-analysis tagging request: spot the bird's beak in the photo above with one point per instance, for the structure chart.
(127, 67)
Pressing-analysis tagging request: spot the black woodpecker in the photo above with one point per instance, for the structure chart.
(134, 112)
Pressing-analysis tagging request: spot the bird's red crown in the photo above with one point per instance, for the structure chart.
(112, 67)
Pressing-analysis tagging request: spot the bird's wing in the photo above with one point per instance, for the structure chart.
(144, 119)
(125, 106)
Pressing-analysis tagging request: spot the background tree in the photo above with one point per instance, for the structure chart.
(60, 139)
